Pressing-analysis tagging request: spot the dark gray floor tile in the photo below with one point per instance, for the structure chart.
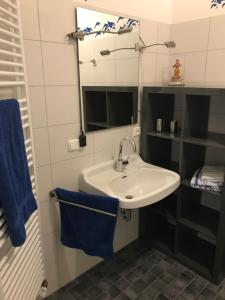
(103, 296)
(214, 288)
(218, 297)
(167, 277)
(162, 297)
(198, 284)
(122, 297)
(222, 292)
(122, 283)
(148, 277)
(170, 292)
(64, 296)
(155, 288)
(84, 296)
(114, 277)
(208, 294)
(181, 281)
(76, 291)
(189, 273)
(135, 274)
(94, 291)
(189, 294)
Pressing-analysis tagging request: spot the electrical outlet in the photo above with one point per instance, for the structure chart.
(73, 145)
(136, 130)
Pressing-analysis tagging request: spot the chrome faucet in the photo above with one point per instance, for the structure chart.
(121, 164)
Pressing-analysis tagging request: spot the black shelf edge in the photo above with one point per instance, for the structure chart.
(194, 265)
(203, 142)
(166, 135)
(186, 182)
(206, 142)
(206, 233)
(99, 124)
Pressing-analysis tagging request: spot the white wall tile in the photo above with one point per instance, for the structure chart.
(71, 266)
(65, 174)
(59, 64)
(195, 64)
(38, 107)
(30, 22)
(162, 68)
(50, 248)
(41, 146)
(190, 36)
(148, 32)
(48, 211)
(52, 273)
(66, 97)
(44, 182)
(126, 231)
(127, 71)
(33, 62)
(62, 16)
(163, 35)
(148, 67)
(216, 33)
(105, 72)
(58, 138)
(215, 67)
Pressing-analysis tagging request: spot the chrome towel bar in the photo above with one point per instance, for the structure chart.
(53, 195)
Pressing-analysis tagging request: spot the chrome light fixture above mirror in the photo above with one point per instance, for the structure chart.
(80, 34)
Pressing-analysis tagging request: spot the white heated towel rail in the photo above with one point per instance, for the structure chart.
(21, 268)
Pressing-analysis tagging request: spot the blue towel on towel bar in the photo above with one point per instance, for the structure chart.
(16, 197)
(87, 230)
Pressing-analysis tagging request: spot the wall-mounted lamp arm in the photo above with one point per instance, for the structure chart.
(139, 47)
(80, 34)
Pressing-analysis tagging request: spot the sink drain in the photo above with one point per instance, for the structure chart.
(129, 197)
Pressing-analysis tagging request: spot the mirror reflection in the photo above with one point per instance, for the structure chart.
(108, 65)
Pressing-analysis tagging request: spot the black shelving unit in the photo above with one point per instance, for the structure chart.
(106, 107)
(190, 223)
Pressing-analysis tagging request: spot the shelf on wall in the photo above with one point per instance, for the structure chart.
(207, 142)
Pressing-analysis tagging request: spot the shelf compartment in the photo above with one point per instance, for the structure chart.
(95, 110)
(125, 114)
(196, 252)
(160, 106)
(163, 153)
(161, 232)
(193, 158)
(197, 106)
(166, 208)
(187, 183)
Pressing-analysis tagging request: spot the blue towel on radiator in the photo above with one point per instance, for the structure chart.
(16, 197)
(87, 230)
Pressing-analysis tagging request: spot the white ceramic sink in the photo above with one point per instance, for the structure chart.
(139, 185)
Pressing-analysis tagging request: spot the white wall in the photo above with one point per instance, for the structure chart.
(187, 10)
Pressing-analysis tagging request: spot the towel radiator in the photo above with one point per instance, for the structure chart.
(21, 268)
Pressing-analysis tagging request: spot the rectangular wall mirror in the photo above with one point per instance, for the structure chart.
(108, 68)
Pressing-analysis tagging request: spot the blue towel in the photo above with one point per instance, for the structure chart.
(16, 197)
(87, 230)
